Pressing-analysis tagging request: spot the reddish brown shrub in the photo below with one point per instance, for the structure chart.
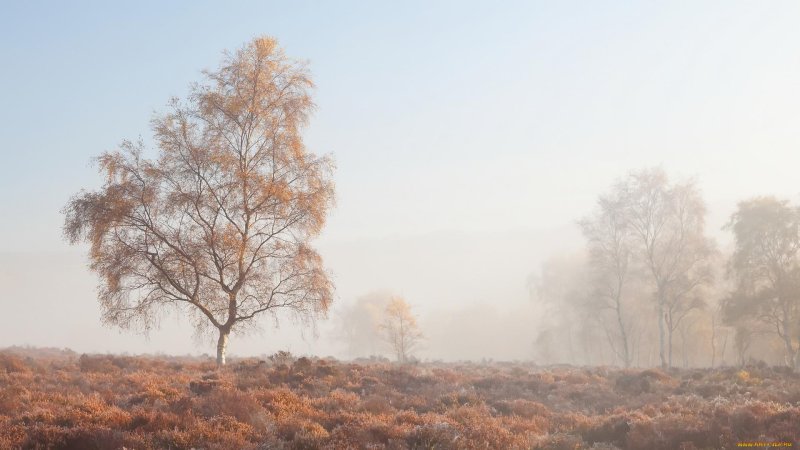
(11, 363)
(237, 404)
(204, 386)
(108, 401)
(97, 363)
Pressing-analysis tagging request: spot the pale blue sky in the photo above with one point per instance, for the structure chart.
(465, 118)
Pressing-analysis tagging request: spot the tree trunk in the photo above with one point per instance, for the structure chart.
(669, 348)
(684, 352)
(713, 340)
(790, 359)
(626, 353)
(661, 331)
(222, 345)
(724, 347)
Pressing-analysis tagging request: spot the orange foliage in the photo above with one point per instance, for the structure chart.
(60, 400)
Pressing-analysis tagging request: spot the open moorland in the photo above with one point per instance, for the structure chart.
(59, 399)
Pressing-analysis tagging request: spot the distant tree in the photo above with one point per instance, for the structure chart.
(609, 242)
(668, 222)
(359, 324)
(716, 332)
(568, 332)
(766, 269)
(694, 257)
(219, 225)
(743, 339)
(400, 329)
(690, 330)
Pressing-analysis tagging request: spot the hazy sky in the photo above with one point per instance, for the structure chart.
(469, 136)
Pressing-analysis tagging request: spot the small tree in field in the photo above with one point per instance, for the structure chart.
(219, 224)
(400, 329)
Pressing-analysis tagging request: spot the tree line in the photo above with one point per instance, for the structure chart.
(653, 284)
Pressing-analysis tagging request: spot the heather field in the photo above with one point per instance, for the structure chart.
(62, 400)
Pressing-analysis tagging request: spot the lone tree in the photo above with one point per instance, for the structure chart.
(400, 329)
(219, 224)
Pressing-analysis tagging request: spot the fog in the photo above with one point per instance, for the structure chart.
(464, 163)
(469, 290)
(473, 292)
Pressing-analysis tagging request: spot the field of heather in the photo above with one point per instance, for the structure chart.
(57, 399)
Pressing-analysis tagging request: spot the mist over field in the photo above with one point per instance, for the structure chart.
(453, 268)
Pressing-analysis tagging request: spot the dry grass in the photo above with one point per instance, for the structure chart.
(51, 399)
